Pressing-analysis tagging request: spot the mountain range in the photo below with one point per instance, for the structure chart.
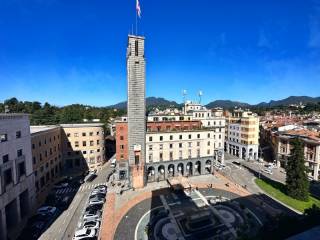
(162, 102)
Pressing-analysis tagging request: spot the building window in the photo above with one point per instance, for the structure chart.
(91, 143)
(171, 155)
(161, 146)
(98, 133)
(98, 150)
(91, 134)
(98, 142)
(189, 136)
(208, 151)
(34, 160)
(91, 151)
(198, 136)
(33, 146)
(19, 152)
(208, 143)
(171, 145)
(40, 157)
(150, 147)
(150, 157)
(84, 134)
(161, 138)
(84, 152)
(150, 139)
(180, 145)
(161, 156)
(18, 134)
(121, 156)
(22, 169)
(198, 152)
(76, 144)
(136, 48)
(39, 143)
(76, 134)
(136, 159)
(180, 137)
(208, 135)
(171, 137)
(3, 137)
(68, 134)
(198, 144)
(121, 137)
(189, 153)
(121, 147)
(190, 144)
(219, 136)
(5, 158)
(7, 176)
(84, 143)
(180, 154)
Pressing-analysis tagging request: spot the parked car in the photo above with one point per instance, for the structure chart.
(97, 195)
(103, 187)
(92, 215)
(47, 210)
(85, 233)
(92, 224)
(94, 201)
(96, 191)
(94, 207)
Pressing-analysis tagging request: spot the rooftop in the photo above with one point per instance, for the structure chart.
(37, 129)
(80, 125)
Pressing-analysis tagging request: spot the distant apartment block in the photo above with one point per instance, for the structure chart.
(46, 158)
(83, 145)
(17, 183)
(242, 134)
(279, 136)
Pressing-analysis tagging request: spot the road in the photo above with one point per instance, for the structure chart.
(65, 225)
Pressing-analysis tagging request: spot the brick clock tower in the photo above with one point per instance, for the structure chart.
(136, 110)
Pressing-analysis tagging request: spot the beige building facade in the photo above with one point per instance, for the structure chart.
(17, 183)
(242, 134)
(46, 158)
(83, 145)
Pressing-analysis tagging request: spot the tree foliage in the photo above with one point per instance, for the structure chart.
(297, 181)
(47, 114)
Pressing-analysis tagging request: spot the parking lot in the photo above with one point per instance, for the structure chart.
(69, 198)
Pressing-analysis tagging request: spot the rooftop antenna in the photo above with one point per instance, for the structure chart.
(184, 94)
(200, 94)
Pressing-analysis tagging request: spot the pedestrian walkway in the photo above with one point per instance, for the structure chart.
(88, 186)
(82, 188)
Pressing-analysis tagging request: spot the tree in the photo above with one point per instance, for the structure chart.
(297, 181)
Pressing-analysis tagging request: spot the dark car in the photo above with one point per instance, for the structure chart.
(94, 207)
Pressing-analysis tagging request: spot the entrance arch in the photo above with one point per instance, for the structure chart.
(189, 170)
(151, 174)
(180, 169)
(161, 173)
(171, 170)
(197, 168)
(208, 166)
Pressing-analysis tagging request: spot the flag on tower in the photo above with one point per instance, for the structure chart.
(138, 8)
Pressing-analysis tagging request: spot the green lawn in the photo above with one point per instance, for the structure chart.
(276, 190)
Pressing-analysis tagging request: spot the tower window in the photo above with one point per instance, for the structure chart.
(136, 48)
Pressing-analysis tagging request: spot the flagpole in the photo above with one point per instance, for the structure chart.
(136, 22)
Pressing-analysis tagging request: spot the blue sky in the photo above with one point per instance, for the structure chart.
(73, 51)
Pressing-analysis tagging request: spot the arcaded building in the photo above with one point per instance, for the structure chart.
(17, 183)
(83, 145)
(46, 158)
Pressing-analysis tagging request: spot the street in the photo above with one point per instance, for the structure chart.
(65, 225)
